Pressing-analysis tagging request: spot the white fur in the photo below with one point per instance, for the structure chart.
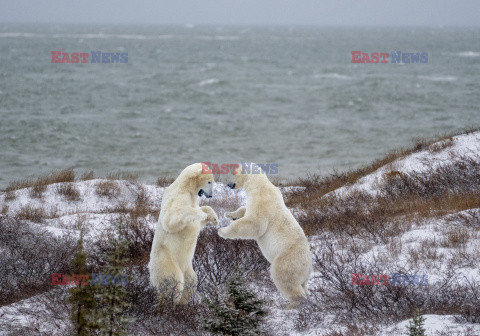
(279, 236)
(176, 235)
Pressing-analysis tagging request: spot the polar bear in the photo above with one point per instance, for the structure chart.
(176, 233)
(279, 236)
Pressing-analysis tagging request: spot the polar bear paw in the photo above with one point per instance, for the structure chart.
(213, 219)
(239, 213)
(230, 215)
(210, 215)
(203, 217)
(222, 232)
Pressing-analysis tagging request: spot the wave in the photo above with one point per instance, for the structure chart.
(333, 75)
(469, 54)
(116, 36)
(87, 36)
(218, 37)
(18, 34)
(439, 78)
(209, 81)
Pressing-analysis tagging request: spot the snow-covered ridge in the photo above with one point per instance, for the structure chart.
(95, 212)
(56, 205)
(441, 153)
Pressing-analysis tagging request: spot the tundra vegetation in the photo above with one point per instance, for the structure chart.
(379, 219)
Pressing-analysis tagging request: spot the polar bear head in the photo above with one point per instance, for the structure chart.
(245, 174)
(196, 180)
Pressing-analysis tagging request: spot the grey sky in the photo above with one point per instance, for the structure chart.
(258, 12)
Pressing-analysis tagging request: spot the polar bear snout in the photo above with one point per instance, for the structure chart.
(231, 185)
(203, 192)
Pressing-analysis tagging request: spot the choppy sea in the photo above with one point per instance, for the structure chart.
(285, 95)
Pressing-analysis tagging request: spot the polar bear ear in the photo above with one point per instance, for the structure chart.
(197, 169)
(193, 170)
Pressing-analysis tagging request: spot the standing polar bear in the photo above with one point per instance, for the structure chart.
(176, 233)
(279, 236)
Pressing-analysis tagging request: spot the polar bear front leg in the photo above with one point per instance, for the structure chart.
(175, 223)
(243, 228)
(237, 214)
(211, 215)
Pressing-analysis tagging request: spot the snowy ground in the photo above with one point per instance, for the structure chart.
(93, 212)
(435, 325)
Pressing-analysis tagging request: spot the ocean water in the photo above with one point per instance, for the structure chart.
(286, 95)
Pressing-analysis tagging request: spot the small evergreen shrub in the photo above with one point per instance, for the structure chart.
(240, 313)
(415, 327)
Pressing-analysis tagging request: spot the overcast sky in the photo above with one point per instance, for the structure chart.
(246, 12)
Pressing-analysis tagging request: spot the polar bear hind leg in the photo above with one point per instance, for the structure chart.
(294, 293)
(288, 278)
(169, 285)
(189, 287)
